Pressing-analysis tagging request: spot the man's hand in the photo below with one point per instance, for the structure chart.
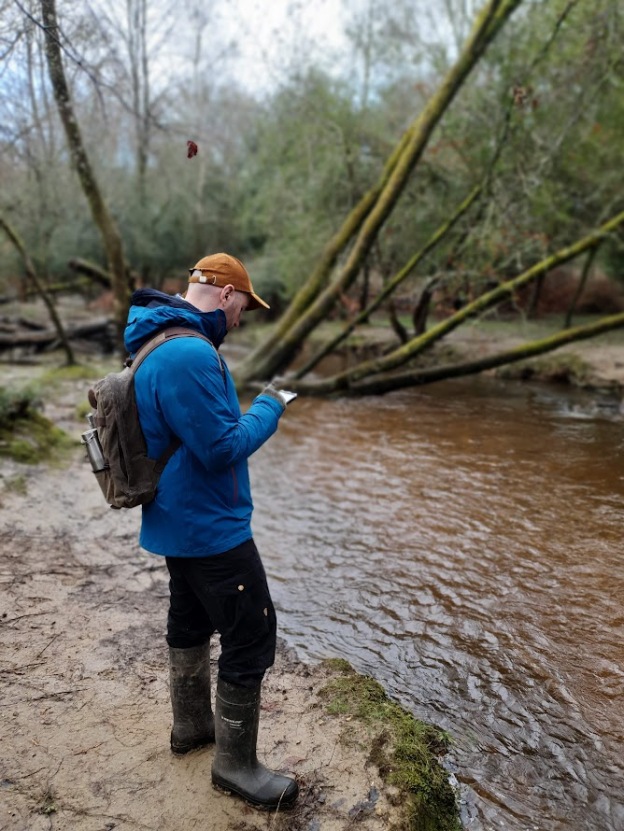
(284, 396)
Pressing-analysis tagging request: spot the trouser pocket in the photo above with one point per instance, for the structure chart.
(242, 611)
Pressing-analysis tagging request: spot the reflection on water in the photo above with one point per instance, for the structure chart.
(462, 544)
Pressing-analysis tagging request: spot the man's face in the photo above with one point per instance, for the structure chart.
(234, 306)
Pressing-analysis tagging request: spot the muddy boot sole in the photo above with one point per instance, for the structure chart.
(271, 805)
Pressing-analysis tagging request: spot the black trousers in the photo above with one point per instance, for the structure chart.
(226, 593)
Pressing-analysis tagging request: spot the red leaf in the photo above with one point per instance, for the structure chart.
(192, 149)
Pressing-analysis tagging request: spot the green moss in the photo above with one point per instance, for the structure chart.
(17, 404)
(25, 435)
(562, 368)
(338, 665)
(404, 749)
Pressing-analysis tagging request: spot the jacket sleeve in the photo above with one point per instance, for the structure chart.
(200, 406)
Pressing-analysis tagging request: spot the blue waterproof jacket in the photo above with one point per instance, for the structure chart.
(203, 504)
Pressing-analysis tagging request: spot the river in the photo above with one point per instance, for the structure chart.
(461, 543)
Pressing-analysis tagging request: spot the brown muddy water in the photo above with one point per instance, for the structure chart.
(463, 545)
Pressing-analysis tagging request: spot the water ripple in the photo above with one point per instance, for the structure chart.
(463, 546)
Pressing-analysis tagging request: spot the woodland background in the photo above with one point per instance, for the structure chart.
(521, 160)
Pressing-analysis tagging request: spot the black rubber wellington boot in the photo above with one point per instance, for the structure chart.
(189, 684)
(236, 768)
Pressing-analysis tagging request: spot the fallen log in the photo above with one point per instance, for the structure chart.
(101, 329)
(61, 288)
(91, 270)
(31, 325)
(97, 274)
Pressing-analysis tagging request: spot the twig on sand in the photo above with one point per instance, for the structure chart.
(41, 697)
(49, 643)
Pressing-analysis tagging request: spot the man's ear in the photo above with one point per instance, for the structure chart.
(226, 292)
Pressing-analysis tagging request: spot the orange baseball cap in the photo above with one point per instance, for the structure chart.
(222, 270)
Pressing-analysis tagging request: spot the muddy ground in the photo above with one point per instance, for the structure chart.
(84, 701)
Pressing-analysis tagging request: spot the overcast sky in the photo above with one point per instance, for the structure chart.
(270, 34)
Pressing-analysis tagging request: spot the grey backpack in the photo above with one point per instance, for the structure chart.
(116, 445)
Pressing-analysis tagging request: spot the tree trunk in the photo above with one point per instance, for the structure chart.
(536, 294)
(400, 330)
(320, 274)
(104, 221)
(582, 283)
(365, 292)
(421, 310)
(34, 279)
(273, 356)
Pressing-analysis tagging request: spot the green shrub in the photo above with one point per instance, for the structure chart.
(25, 434)
(15, 405)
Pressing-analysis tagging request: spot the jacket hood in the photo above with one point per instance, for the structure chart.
(151, 311)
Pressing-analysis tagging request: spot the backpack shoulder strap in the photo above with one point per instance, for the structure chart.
(148, 347)
(162, 337)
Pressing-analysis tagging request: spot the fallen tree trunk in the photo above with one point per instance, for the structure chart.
(14, 324)
(416, 346)
(59, 288)
(91, 270)
(100, 275)
(99, 329)
(419, 377)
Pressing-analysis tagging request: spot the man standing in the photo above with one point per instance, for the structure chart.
(200, 521)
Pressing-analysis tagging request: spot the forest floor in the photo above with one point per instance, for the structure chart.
(83, 670)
